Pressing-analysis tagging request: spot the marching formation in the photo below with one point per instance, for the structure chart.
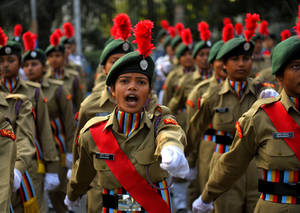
(188, 125)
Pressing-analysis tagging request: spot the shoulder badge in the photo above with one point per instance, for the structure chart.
(170, 121)
(45, 100)
(69, 96)
(239, 129)
(8, 133)
(189, 103)
(198, 103)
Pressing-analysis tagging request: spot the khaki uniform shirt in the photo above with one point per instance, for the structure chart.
(30, 89)
(256, 141)
(81, 74)
(260, 64)
(23, 125)
(99, 76)
(142, 148)
(221, 107)
(7, 159)
(71, 82)
(265, 79)
(60, 106)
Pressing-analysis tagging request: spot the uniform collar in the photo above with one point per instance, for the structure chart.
(20, 83)
(45, 82)
(287, 103)
(106, 96)
(3, 101)
(226, 88)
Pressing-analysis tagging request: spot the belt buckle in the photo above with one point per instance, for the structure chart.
(127, 203)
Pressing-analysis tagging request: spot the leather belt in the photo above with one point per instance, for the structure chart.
(121, 202)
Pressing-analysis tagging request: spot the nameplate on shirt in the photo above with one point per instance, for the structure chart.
(102, 114)
(105, 156)
(222, 109)
(278, 135)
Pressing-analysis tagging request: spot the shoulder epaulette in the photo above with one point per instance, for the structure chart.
(32, 84)
(72, 72)
(17, 96)
(55, 81)
(93, 121)
(260, 102)
(161, 110)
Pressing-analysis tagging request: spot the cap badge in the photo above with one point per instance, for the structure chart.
(125, 46)
(208, 43)
(143, 64)
(8, 50)
(33, 54)
(246, 46)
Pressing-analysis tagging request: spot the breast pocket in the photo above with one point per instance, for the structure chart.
(222, 117)
(100, 164)
(277, 147)
(146, 156)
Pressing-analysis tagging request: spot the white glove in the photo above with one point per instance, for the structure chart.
(192, 175)
(72, 205)
(17, 179)
(268, 93)
(174, 161)
(69, 160)
(51, 181)
(200, 207)
(69, 173)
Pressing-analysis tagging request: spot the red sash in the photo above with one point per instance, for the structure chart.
(283, 122)
(125, 172)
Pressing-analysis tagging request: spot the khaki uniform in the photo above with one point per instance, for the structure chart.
(81, 74)
(44, 134)
(60, 113)
(7, 158)
(141, 148)
(206, 148)
(72, 83)
(257, 142)
(221, 107)
(259, 64)
(265, 79)
(99, 103)
(99, 76)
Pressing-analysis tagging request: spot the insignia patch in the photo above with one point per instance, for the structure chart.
(33, 113)
(143, 64)
(105, 156)
(80, 86)
(189, 103)
(45, 100)
(246, 46)
(222, 109)
(208, 43)
(239, 129)
(8, 50)
(69, 96)
(267, 84)
(33, 54)
(170, 121)
(278, 135)
(7, 133)
(125, 46)
(76, 116)
(198, 103)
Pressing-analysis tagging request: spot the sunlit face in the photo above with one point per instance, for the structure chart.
(110, 62)
(201, 58)
(131, 91)
(186, 60)
(290, 79)
(9, 66)
(218, 67)
(238, 67)
(34, 69)
(56, 60)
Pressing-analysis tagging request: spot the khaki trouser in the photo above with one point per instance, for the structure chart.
(267, 207)
(242, 196)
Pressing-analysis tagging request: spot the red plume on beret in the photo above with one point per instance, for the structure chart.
(263, 29)
(123, 26)
(68, 30)
(179, 27)
(59, 32)
(285, 34)
(172, 31)
(251, 25)
(29, 41)
(164, 24)
(18, 30)
(54, 39)
(227, 32)
(113, 32)
(3, 38)
(238, 28)
(142, 33)
(203, 28)
(226, 21)
(186, 36)
(298, 23)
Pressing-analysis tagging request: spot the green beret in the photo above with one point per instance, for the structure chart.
(59, 48)
(200, 45)
(108, 41)
(11, 48)
(284, 52)
(160, 34)
(175, 41)
(235, 46)
(181, 49)
(214, 51)
(167, 41)
(132, 62)
(115, 46)
(64, 40)
(257, 36)
(35, 54)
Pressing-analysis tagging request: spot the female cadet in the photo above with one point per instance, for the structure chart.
(123, 148)
(269, 131)
(222, 106)
(60, 113)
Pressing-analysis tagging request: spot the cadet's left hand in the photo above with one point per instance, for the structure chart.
(69, 160)
(51, 181)
(268, 93)
(200, 207)
(174, 161)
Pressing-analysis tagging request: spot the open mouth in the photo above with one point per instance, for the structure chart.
(131, 98)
